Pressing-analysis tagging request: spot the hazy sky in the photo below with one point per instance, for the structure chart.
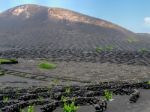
(131, 14)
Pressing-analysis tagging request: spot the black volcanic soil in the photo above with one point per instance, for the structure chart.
(46, 99)
(69, 40)
(121, 104)
(30, 83)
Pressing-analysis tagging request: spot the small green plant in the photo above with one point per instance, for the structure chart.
(5, 99)
(108, 95)
(109, 48)
(2, 73)
(21, 110)
(55, 81)
(5, 61)
(148, 82)
(30, 108)
(47, 65)
(41, 98)
(68, 90)
(99, 49)
(69, 107)
(132, 40)
(50, 86)
(64, 99)
(143, 50)
(105, 48)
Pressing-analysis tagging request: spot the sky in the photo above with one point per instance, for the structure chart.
(131, 14)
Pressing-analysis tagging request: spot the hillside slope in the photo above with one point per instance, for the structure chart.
(41, 30)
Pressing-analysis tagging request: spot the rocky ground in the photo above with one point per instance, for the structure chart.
(140, 57)
(25, 84)
(48, 99)
(121, 104)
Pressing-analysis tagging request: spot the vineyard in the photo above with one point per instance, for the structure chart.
(48, 99)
